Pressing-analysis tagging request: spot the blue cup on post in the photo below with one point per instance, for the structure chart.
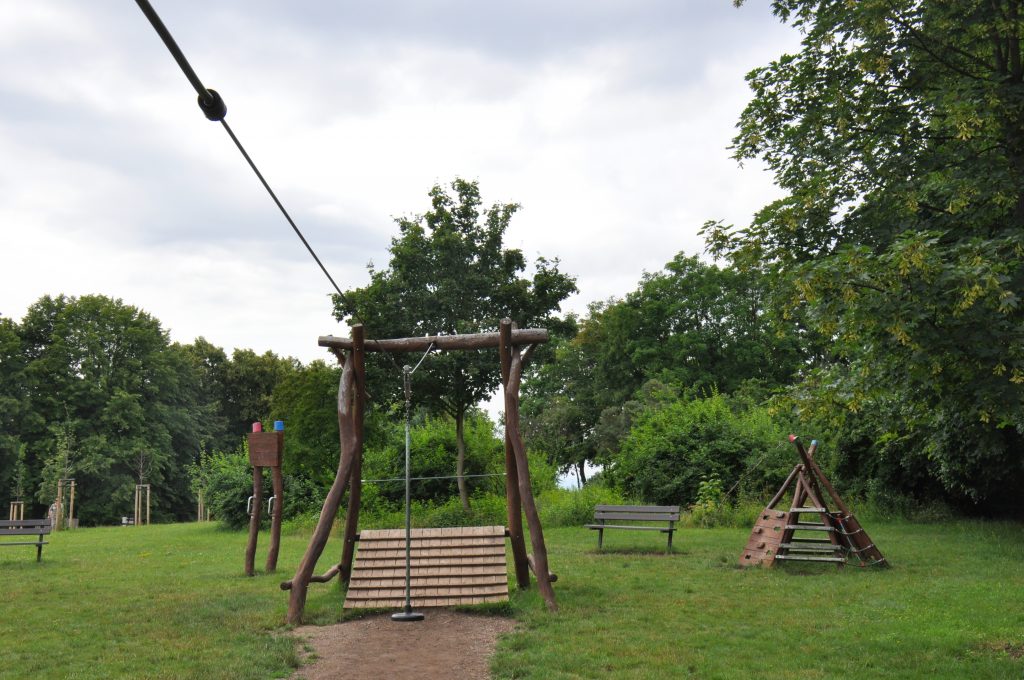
(278, 426)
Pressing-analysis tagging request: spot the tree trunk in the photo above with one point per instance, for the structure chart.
(460, 461)
(581, 469)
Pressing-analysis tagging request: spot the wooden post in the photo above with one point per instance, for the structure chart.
(254, 520)
(514, 508)
(199, 507)
(277, 483)
(71, 506)
(17, 510)
(512, 430)
(355, 488)
(58, 506)
(147, 500)
(350, 449)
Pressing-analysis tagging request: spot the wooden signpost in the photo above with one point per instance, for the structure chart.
(265, 450)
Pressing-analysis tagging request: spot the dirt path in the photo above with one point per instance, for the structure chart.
(444, 646)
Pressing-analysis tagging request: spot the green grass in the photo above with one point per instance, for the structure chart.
(171, 601)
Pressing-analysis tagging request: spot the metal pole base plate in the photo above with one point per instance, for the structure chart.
(407, 615)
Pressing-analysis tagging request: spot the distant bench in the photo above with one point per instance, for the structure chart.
(26, 527)
(635, 513)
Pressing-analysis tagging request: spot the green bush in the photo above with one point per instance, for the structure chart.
(574, 507)
(673, 445)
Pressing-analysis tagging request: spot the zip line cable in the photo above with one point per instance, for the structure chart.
(214, 109)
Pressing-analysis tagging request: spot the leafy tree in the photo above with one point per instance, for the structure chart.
(676, 443)
(432, 448)
(249, 380)
(306, 400)
(12, 403)
(104, 389)
(692, 325)
(450, 273)
(898, 133)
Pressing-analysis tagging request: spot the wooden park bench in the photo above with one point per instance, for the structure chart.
(635, 513)
(26, 527)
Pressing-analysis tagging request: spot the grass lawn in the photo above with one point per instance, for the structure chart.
(171, 601)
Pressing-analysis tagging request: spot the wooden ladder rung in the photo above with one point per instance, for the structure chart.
(811, 547)
(802, 558)
(808, 527)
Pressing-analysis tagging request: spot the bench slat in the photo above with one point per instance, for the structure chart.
(664, 530)
(25, 532)
(650, 517)
(637, 508)
(3, 543)
(14, 523)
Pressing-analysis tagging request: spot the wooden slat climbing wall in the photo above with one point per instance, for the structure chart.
(453, 566)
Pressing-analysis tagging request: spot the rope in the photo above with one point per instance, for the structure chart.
(418, 479)
(213, 107)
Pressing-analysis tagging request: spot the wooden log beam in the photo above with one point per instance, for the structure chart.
(526, 336)
(533, 568)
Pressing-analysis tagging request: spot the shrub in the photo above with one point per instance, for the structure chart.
(574, 507)
(673, 445)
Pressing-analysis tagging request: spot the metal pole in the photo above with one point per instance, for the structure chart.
(408, 614)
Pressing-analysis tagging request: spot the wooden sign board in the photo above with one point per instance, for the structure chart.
(265, 448)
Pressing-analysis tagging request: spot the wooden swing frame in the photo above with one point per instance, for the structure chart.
(351, 353)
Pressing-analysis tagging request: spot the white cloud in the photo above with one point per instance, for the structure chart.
(608, 122)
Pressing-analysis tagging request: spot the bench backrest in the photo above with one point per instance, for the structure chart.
(645, 513)
(24, 527)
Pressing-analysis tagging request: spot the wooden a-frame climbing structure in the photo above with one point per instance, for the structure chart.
(514, 349)
(784, 535)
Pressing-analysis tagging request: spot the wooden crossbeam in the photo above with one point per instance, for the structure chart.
(525, 336)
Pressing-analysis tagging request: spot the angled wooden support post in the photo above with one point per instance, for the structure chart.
(514, 436)
(514, 506)
(355, 489)
(350, 404)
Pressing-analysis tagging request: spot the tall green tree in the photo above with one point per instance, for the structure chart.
(897, 132)
(450, 273)
(13, 396)
(307, 400)
(692, 325)
(104, 391)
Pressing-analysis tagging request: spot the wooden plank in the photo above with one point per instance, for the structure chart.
(450, 565)
(2, 543)
(638, 508)
(25, 522)
(639, 516)
(37, 531)
(638, 527)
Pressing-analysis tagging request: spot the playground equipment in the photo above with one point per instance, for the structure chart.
(65, 490)
(351, 403)
(265, 450)
(774, 535)
(140, 490)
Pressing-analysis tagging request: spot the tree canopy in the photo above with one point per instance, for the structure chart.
(450, 273)
(898, 134)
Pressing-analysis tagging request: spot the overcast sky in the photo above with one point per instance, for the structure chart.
(608, 121)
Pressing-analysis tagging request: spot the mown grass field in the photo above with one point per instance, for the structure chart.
(171, 602)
